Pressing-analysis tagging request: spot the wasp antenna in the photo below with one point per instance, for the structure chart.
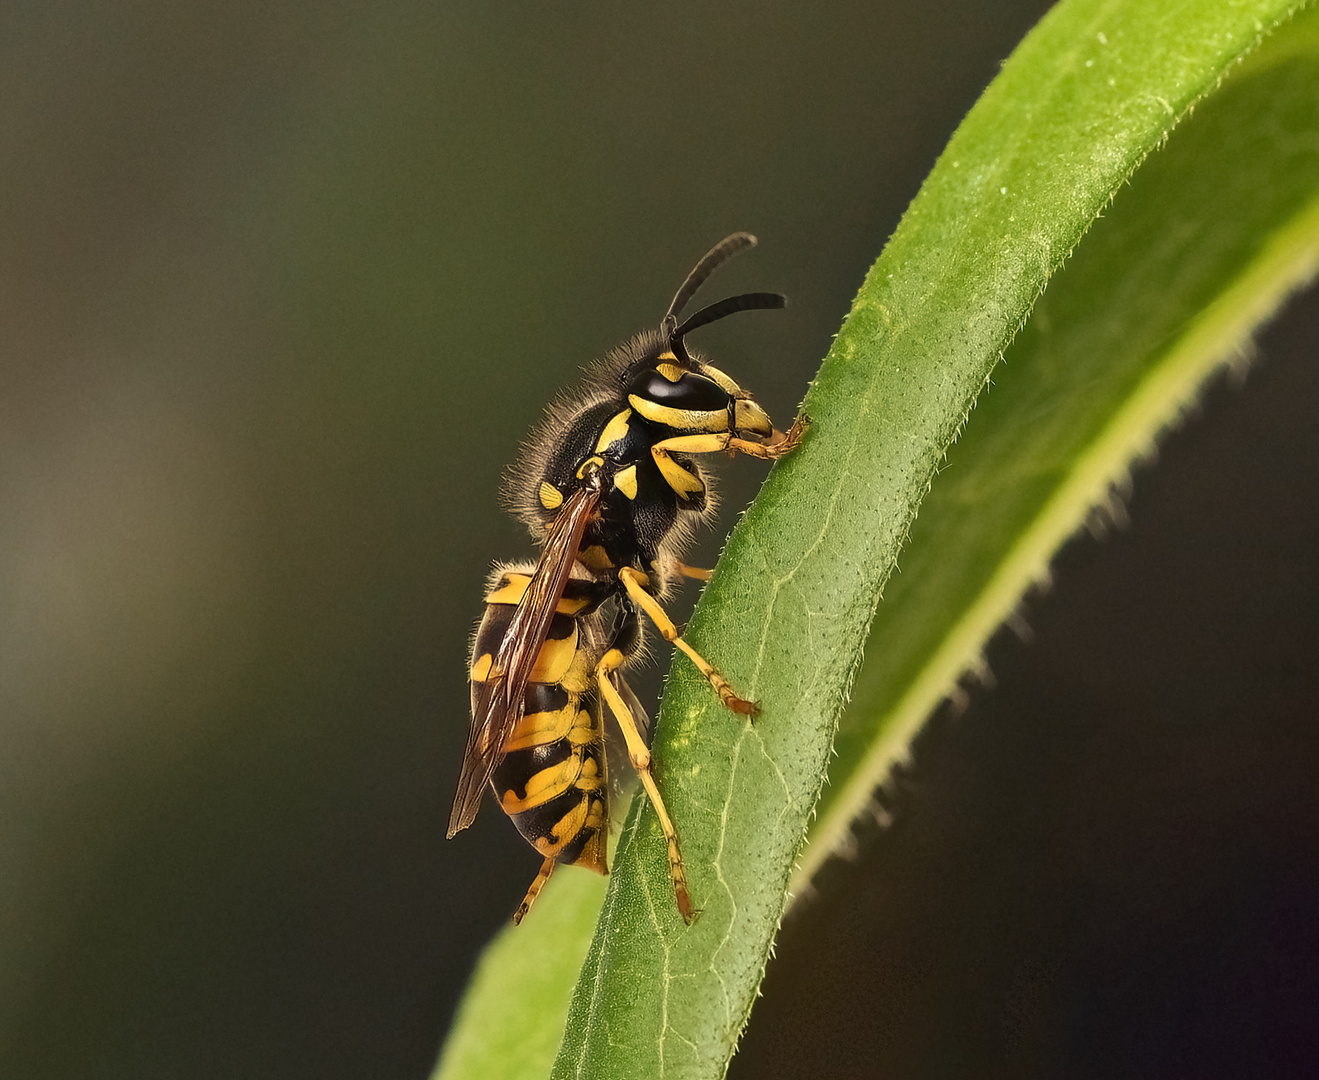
(730, 305)
(710, 262)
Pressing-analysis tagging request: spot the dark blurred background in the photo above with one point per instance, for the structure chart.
(281, 289)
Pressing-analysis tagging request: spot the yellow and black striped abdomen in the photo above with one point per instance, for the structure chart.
(554, 786)
(552, 779)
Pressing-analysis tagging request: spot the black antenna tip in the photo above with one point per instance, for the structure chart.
(709, 263)
(730, 305)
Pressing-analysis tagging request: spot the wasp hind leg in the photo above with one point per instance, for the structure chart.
(546, 869)
(633, 581)
(639, 754)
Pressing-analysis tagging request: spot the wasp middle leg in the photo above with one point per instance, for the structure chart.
(635, 582)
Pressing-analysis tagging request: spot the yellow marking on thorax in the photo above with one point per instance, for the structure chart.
(615, 431)
(571, 605)
(550, 497)
(626, 481)
(511, 591)
(595, 559)
(481, 668)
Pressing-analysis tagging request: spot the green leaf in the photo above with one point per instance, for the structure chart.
(1213, 234)
(1214, 230)
(511, 1021)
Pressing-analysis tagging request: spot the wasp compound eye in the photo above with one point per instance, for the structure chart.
(688, 392)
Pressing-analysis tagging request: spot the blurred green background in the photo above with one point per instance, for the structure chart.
(281, 289)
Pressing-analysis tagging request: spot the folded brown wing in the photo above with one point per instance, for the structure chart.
(499, 701)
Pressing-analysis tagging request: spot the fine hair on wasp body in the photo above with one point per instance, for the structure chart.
(610, 486)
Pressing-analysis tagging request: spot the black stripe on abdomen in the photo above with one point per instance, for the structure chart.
(519, 766)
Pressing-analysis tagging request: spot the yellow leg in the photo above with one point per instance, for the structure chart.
(634, 582)
(639, 754)
(546, 869)
(724, 441)
(694, 572)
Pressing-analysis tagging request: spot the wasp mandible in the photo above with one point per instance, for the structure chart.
(609, 486)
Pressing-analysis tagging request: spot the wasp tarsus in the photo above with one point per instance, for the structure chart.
(609, 485)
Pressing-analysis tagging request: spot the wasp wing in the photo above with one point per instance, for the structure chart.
(499, 701)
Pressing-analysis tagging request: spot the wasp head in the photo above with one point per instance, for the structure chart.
(695, 397)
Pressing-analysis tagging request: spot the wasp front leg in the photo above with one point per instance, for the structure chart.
(726, 442)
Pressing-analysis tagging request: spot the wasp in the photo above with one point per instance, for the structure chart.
(610, 489)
